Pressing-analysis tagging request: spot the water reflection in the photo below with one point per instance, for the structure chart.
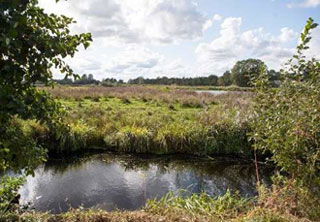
(111, 181)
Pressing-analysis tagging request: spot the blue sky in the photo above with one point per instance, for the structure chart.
(272, 15)
(152, 38)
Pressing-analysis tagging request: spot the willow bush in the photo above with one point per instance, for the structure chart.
(287, 119)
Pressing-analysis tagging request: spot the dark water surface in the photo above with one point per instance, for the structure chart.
(111, 181)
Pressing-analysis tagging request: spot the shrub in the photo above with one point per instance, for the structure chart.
(287, 121)
(8, 192)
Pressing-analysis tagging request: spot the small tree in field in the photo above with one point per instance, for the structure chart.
(244, 70)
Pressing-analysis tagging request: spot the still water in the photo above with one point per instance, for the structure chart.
(111, 181)
(214, 92)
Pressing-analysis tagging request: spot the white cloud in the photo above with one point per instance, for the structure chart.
(86, 61)
(287, 35)
(207, 25)
(133, 58)
(217, 17)
(233, 45)
(137, 61)
(128, 21)
(210, 22)
(314, 44)
(305, 4)
(131, 25)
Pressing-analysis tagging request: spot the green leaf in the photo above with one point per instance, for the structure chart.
(16, 25)
(86, 45)
(7, 41)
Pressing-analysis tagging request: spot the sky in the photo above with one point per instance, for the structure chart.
(184, 38)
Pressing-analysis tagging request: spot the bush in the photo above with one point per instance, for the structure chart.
(8, 192)
(287, 121)
(17, 139)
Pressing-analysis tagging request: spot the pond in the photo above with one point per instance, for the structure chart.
(126, 182)
(214, 92)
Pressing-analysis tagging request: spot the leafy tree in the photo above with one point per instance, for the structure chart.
(65, 81)
(244, 70)
(86, 80)
(32, 43)
(111, 82)
(84, 77)
(227, 78)
(274, 77)
(212, 80)
(90, 77)
(221, 81)
(140, 80)
(287, 121)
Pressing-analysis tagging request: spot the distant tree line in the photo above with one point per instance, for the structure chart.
(89, 80)
(240, 75)
(197, 81)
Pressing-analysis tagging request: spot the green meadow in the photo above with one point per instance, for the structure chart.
(158, 120)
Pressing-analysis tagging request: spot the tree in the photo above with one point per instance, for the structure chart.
(221, 81)
(274, 77)
(84, 77)
(31, 44)
(212, 80)
(244, 70)
(140, 80)
(90, 77)
(227, 78)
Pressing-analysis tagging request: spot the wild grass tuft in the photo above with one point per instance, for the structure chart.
(222, 207)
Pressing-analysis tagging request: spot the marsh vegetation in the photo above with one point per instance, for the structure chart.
(159, 120)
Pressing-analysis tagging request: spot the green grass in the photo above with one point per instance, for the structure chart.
(158, 120)
(223, 207)
(273, 205)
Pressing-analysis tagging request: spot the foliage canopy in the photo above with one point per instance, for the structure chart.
(244, 70)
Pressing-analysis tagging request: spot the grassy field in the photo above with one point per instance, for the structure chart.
(157, 119)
